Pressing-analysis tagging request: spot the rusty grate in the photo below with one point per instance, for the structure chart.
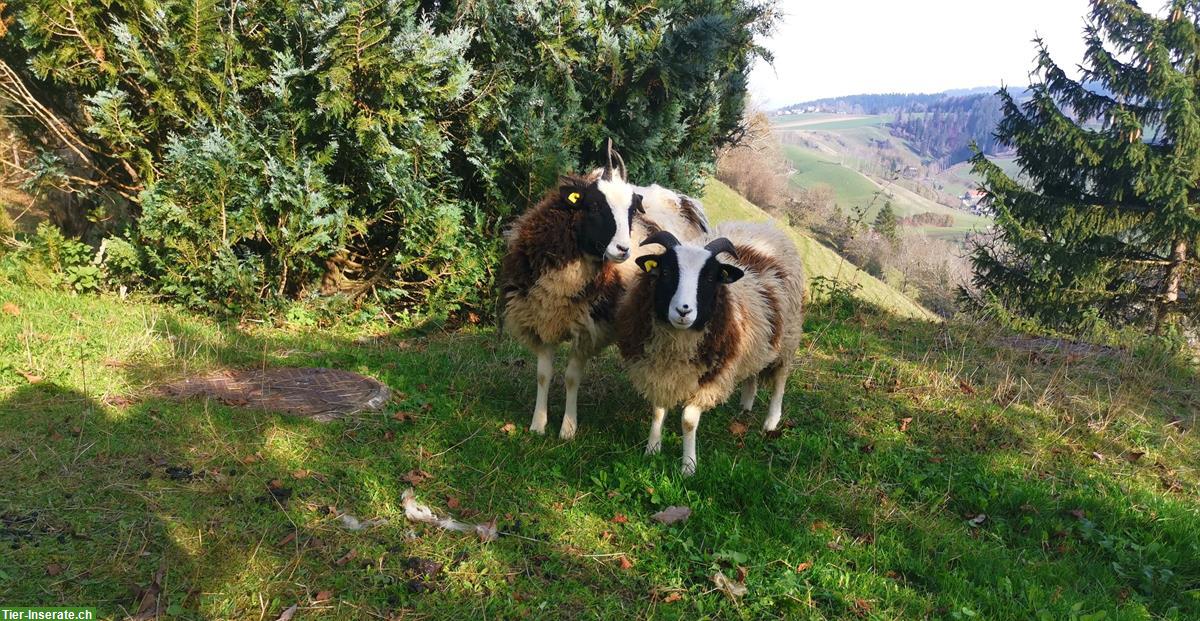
(318, 393)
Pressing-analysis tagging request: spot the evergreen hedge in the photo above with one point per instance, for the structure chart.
(255, 150)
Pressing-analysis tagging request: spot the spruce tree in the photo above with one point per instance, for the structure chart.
(1103, 221)
(885, 223)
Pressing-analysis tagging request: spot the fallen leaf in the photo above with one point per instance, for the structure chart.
(250, 459)
(275, 484)
(862, 607)
(672, 597)
(346, 558)
(619, 519)
(936, 460)
(1077, 514)
(509, 428)
(966, 387)
(11, 309)
(53, 569)
(300, 474)
(452, 502)
(1097, 455)
(742, 572)
(626, 563)
(834, 545)
(288, 614)
(671, 515)
(288, 538)
(148, 599)
(30, 377)
(402, 416)
(904, 423)
(738, 429)
(416, 476)
(1133, 456)
(389, 435)
(803, 567)
(322, 596)
(731, 588)
(473, 317)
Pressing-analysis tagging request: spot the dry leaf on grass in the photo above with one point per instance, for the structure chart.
(53, 569)
(288, 538)
(322, 596)
(619, 519)
(737, 428)
(1133, 456)
(673, 596)
(288, 614)
(904, 422)
(803, 567)
(11, 309)
(346, 558)
(30, 377)
(729, 587)
(671, 515)
(452, 502)
(509, 428)
(416, 477)
(626, 563)
(148, 599)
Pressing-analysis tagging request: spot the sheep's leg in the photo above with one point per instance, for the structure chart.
(749, 390)
(545, 372)
(574, 376)
(691, 420)
(654, 444)
(775, 410)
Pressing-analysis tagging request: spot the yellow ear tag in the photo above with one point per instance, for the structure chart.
(573, 197)
(649, 265)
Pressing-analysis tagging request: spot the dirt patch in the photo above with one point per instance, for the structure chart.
(317, 393)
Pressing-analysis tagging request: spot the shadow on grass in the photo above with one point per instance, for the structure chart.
(969, 509)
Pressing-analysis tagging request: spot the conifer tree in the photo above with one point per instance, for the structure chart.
(885, 223)
(1104, 220)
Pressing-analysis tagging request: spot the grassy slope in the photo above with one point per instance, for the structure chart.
(722, 203)
(929, 473)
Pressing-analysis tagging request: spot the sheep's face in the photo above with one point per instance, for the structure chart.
(686, 280)
(607, 208)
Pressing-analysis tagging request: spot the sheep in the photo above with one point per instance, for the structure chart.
(691, 327)
(566, 264)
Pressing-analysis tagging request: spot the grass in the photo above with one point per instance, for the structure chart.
(928, 471)
(723, 203)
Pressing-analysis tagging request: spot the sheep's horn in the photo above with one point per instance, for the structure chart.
(719, 245)
(620, 161)
(661, 237)
(608, 170)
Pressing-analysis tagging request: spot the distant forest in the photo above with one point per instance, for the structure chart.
(940, 126)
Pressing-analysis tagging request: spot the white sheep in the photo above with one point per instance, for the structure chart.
(692, 327)
(565, 269)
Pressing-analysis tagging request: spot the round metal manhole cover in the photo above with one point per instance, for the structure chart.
(317, 393)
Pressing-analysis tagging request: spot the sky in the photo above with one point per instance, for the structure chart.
(829, 48)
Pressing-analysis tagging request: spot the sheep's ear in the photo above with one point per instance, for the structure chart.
(730, 274)
(637, 204)
(572, 196)
(649, 263)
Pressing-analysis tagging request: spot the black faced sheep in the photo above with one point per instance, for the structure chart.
(692, 327)
(565, 269)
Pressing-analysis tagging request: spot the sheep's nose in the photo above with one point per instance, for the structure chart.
(683, 310)
(622, 249)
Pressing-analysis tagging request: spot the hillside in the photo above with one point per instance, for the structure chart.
(722, 203)
(924, 471)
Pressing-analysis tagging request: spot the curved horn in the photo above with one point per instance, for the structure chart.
(608, 169)
(661, 237)
(620, 161)
(719, 245)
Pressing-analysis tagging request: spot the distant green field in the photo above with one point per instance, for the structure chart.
(867, 121)
(854, 192)
(722, 204)
(958, 178)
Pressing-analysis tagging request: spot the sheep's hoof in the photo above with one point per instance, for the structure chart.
(538, 429)
(770, 424)
(568, 430)
(653, 448)
(689, 468)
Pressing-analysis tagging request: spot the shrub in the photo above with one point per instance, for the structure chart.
(755, 167)
(359, 147)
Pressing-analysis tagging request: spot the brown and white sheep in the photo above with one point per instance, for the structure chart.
(692, 327)
(565, 269)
